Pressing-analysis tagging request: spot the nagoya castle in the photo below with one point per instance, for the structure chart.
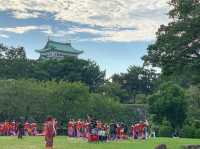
(58, 50)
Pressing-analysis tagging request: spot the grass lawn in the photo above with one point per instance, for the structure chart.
(68, 143)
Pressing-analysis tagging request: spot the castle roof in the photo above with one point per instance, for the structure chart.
(59, 46)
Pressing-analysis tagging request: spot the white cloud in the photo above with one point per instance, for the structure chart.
(144, 16)
(4, 36)
(23, 29)
(75, 30)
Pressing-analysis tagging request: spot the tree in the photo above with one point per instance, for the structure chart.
(12, 53)
(138, 80)
(72, 70)
(177, 47)
(69, 69)
(194, 103)
(34, 100)
(169, 103)
(2, 51)
(18, 69)
(114, 90)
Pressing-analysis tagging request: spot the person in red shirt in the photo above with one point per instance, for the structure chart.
(7, 128)
(78, 128)
(34, 129)
(87, 125)
(121, 131)
(142, 126)
(1, 128)
(83, 129)
(118, 131)
(26, 128)
(70, 128)
(13, 128)
(49, 132)
(136, 131)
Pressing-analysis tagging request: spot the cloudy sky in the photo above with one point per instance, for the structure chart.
(114, 33)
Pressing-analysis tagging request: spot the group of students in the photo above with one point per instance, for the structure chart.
(88, 129)
(12, 128)
(91, 129)
(95, 130)
(140, 130)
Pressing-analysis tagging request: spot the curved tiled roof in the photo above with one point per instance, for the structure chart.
(58, 46)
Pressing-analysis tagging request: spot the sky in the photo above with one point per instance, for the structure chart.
(113, 33)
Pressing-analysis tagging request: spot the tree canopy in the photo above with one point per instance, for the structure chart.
(177, 47)
(169, 103)
(12, 53)
(34, 100)
(69, 69)
(137, 80)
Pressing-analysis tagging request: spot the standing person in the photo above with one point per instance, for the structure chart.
(27, 128)
(78, 128)
(153, 133)
(132, 131)
(20, 130)
(70, 128)
(125, 133)
(6, 128)
(119, 131)
(49, 132)
(55, 122)
(13, 129)
(34, 129)
(113, 131)
(146, 124)
(1, 129)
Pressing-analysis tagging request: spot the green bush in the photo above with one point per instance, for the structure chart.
(191, 129)
(165, 130)
(197, 133)
(35, 100)
(170, 103)
(188, 131)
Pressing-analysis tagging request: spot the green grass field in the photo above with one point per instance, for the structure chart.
(68, 143)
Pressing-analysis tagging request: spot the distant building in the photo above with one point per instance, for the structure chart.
(57, 50)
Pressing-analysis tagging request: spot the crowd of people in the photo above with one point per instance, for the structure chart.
(82, 128)
(91, 129)
(12, 128)
(140, 130)
(15, 128)
(95, 130)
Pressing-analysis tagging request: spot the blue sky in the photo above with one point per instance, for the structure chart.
(113, 33)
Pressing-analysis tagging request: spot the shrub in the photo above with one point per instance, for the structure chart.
(188, 131)
(165, 129)
(197, 133)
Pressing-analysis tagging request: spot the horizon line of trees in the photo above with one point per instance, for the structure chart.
(130, 87)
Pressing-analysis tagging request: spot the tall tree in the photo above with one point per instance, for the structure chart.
(194, 100)
(177, 48)
(114, 90)
(137, 80)
(169, 103)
